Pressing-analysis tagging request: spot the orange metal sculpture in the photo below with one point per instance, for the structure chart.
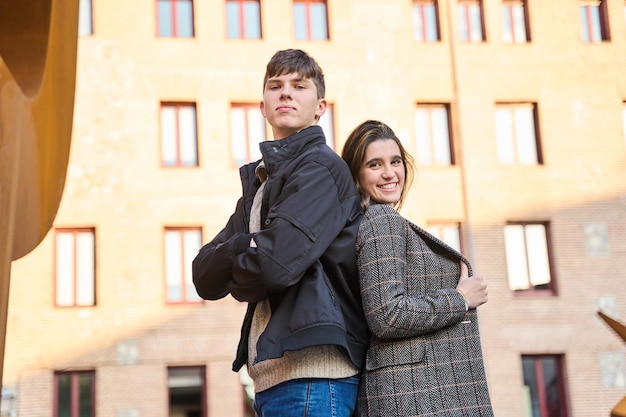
(620, 409)
(38, 42)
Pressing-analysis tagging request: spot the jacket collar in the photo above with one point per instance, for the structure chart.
(275, 151)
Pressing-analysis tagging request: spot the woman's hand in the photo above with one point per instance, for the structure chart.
(473, 289)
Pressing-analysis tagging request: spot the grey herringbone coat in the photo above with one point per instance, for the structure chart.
(425, 357)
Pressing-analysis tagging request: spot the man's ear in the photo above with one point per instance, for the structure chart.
(262, 107)
(321, 108)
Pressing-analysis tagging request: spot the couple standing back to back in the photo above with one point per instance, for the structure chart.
(340, 319)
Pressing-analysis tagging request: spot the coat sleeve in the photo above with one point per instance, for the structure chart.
(306, 216)
(390, 310)
(212, 266)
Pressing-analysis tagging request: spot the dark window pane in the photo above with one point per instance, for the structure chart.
(186, 386)
(551, 380)
(530, 381)
(64, 395)
(85, 395)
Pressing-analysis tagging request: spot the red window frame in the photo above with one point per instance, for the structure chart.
(308, 19)
(179, 162)
(74, 392)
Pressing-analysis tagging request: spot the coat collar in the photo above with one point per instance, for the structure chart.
(275, 151)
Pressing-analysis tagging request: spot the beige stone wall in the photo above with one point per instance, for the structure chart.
(373, 70)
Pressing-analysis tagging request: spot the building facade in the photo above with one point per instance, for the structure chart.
(515, 111)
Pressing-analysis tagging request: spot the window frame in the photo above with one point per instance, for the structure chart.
(310, 21)
(74, 391)
(419, 15)
(202, 390)
(464, 14)
(518, 141)
(244, 27)
(439, 229)
(173, 19)
(180, 142)
(75, 260)
(551, 288)
(427, 147)
(249, 110)
(186, 255)
(537, 361)
(588, 22)
(508, 8)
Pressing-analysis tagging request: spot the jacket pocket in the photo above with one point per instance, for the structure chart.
(395, 352)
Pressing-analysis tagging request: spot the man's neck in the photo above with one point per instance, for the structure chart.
(282, 134)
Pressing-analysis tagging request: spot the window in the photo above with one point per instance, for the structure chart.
(186, 391)
(516, 134)
(470, 21)
(310, 20)
(74, 394)
(175, 18)
(544, 385)
(179, 143)
(449, 233)
(85, 21)
(247, 129)
(243, 19)
(528, 257)
(181, 246)
(327, 124)
(75, 267)
(432, 132)
(594, 20)
(425, 21)
(515, 22)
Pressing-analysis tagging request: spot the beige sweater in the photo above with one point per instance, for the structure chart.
(323, 361)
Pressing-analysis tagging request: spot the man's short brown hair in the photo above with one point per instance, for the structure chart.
(297, 61)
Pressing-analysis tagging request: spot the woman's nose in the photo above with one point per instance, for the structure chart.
(388, 172)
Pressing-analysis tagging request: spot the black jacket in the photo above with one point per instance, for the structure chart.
(305, 259)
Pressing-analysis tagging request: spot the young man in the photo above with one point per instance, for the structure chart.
(289, 251)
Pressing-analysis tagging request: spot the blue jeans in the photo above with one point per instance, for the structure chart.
(308, 397)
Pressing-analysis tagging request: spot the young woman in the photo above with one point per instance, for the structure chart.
(419, 297)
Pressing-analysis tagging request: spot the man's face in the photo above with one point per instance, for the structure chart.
(290, 104)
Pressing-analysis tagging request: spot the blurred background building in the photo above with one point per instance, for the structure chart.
(515, 111)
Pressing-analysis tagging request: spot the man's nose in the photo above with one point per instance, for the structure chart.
(285, 92)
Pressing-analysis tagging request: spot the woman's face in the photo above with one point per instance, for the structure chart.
(382, 173)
